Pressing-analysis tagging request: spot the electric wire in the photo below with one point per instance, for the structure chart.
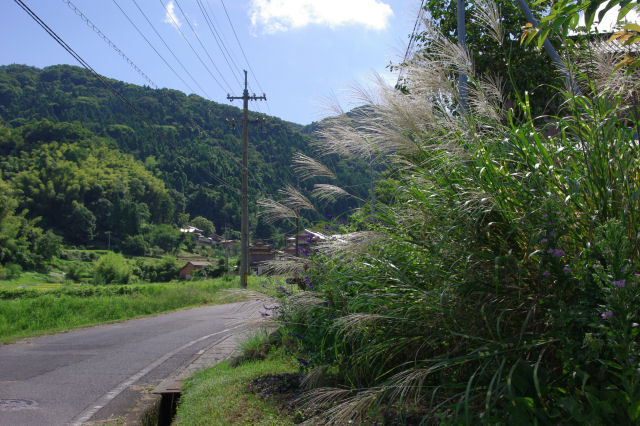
(412, 39)
(177, 27)
(106, 39)
(105, 83)
(174, 103)
(154, 49)
(168, 48)
(253, 74)
(220, 42)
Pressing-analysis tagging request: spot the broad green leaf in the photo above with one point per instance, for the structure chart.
(624, 10)
(632, 27)
(543, 37)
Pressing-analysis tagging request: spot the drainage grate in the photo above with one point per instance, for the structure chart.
(16, 404)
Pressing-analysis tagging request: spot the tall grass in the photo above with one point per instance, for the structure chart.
(503, 284)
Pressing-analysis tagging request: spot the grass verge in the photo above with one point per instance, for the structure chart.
(218, 396)
(36, 312)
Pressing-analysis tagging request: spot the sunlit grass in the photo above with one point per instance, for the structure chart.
(218, 396)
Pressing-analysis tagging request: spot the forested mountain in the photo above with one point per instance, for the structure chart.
(85, 162)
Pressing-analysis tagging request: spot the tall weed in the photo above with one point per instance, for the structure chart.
(502, 285)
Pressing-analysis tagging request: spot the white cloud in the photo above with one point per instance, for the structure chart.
(171, 17)
(282, 15)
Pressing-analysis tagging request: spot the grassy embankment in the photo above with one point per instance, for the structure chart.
(37, 308)
(220, 396)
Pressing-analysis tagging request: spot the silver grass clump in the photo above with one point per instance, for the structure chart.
(486, 98)
(351, 325)
(294, 199)
(600, 65)
(307, 167)
(290, 265)
(487, 14)
(272, 211)
(325, 192)
(352, 243)
(350, 409)
(314, 377)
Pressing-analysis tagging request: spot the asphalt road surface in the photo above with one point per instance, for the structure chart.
(97, 373)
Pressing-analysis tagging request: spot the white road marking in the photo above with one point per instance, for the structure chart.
(109, 396)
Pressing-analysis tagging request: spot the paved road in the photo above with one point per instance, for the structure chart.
(96, 373)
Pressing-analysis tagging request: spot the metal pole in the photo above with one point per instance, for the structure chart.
(244, 262)
(244, 229)
(555, 58)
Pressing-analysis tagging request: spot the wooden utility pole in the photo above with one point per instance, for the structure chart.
(244, 239)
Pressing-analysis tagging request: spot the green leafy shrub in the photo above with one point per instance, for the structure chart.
(112, 268)
(499, 284)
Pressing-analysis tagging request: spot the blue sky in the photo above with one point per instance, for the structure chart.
(302, 51)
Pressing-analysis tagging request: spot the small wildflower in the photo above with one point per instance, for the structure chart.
(544, 240)
(619, 283)
(302, 361)
(558, 253)
(546, 274)
(299, 337)
(566, 269)
(607, 251)
(326, 304)
(607, 314)
(284, 291)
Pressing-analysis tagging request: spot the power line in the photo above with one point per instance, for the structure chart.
(152, 47)
(221, 45)
(174, 103)
(104, 82)
(412, 39)
(177, 27)
(253, 74)
(91, 25)
(168, 48)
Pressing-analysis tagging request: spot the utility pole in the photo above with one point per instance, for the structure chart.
(226, 245)
(244, 239)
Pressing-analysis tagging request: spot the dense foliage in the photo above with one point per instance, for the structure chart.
(500, 282)
(191, 144)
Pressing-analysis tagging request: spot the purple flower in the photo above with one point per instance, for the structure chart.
(284, 291)
(299, 336)
(546, 274)
(607, 251)
(619, 283)
(552, 233)
(302, 361)
(566, 269)
(544, 240)
(607, 314)
(557, 253)
(326, 304)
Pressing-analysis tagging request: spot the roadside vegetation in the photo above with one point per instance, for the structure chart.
(90, 287)
(250, 392)
(498, 280)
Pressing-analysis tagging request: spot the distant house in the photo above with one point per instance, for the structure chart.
(259, 253)
(187, 270)
(198, 237)
(306, 240)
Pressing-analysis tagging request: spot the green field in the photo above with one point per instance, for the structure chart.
(30, 306)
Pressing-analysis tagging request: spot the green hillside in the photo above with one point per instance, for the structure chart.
(77, 156)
